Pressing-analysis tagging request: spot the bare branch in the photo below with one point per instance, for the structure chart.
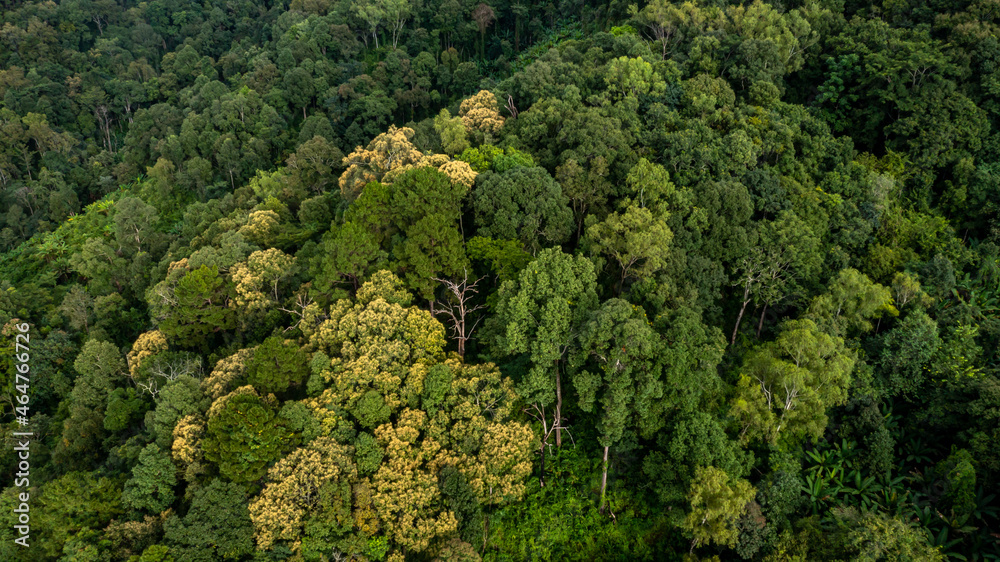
(458, 308)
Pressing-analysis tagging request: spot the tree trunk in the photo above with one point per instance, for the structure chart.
(604, 479)
(558, 408)
(541, 475)
(486, 533)
(760, 325)
(739, 318)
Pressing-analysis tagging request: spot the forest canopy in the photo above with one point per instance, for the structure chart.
(330, 280)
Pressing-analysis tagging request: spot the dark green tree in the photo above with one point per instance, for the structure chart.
(245, 435)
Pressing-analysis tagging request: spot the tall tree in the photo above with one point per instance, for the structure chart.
(626, 384)
(542, 314)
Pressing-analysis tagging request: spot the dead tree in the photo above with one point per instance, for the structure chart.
(458, 308)
(538, 412)
(302, 301)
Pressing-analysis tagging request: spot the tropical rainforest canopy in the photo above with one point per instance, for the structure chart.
(329, 280)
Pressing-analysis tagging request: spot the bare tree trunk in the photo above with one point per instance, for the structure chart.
(739, 319)
(558, 407)
(545, 439)
(604, 479)
(760, 325)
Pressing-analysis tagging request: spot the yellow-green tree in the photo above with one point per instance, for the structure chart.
(258, 279)
(786, 386)
(481, 116)
(716, 503)
(304, 489)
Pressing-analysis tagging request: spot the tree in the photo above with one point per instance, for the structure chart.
(433, 247)
(178, 399)
(152, 366)
(147, 345)
(716, 504)
(541, 314)
(899, 87)
(349, 254)
(793, 258)
(452, 133)
(372, 12)
(506, 258)
(852, 301)
(216, 526)
(388, 151)
(396, 14)
(276, 364)
(479, 113)
(314, 162)
(135, 222)
(472, 414)
(421, 192)
(103, 268)
(627, 383)
(458, 306)
(791, 382)
(637, 241)
(68, 504)
(457, 550)
(483, 16)
(302, 492)
(300, 88)
(78, 307)
(257, 280)
(761, 275)
(664, 19)
(523, 204)
(906, 289)
(244, 434)
(632, 77)
(691, 439)
(151, 487)
(868, 536)
(101, 366)
(649, 186)
(406, 495)
(198, 307)
(381, 329)
(905, 354)
(123, 405)
(425, 206)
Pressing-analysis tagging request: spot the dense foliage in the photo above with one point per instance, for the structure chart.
(450, 280)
